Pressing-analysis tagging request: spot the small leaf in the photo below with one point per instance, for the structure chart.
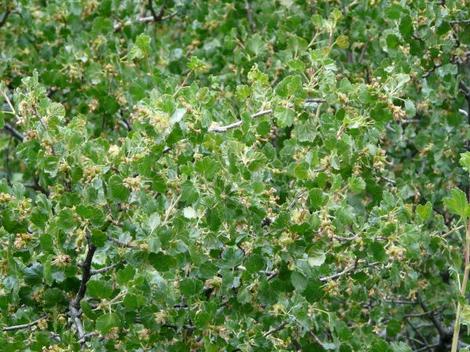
(465, 160)
(457, 203)
(289, 86)
(406, 27)
(410, 108)
(424, 211)
(342, 41)
(255, 44)
(98, 237)
(106, 322)
(153, 222)
(177, 115)
(99, 289)
(298, 280)
(357, 184)
(465, 315)
(316, 260)
(285, 117)
(162, 262)
(189, 213)
(117, 190)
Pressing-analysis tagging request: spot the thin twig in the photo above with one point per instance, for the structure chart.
(249, 15)
(10, 105)
(463, 290)
(147, 19)
(174, 201)
(460, 21)
(222, 129)
(337, 275)
(14, 132)
(106, 268)
(274, 330)
(23, 326)
(452, 231)
(123, 244)
(417, 332)
(443, 332)
(427, 348)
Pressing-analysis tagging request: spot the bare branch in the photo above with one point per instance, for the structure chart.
(14, 132)
(10, 105)
(249, 15)
(460, 21)
(427, 348)
(9, 128)
(337, 275)
(23, 326)
(123, 244)
(156, 17)
(274, 330)
(5, 16)
(106, 268)
(147, 19)
(74, 306)
(443, 332)
(222, 129)
(348, 269)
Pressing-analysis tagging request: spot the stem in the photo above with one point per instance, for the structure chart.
(74, 306)
(463, 289)
(23, 326)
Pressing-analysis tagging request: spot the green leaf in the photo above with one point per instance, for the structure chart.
(285, 116)
(465, 315)
(117, 191)
(66, 219)
(394, 11)
(357, 184)
(106, 322)
(190, 287)
(465, 161)
(98, 238)
(301, 171)
(99, 289)
(125, 275)
(457, 203)
(378, 251)
(94, 214)
(317, 259)
(406, 27)
(255, 44)
(207, 167)
(316, 198)
(254, 263)
(298, 280)
(133, 301)
(424, 211)
(393, 41)
(189, 213)
(162, 262)
(410, 108)
(141, 47)
(290, 86)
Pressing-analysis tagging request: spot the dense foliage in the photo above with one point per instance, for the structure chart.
(259, 175)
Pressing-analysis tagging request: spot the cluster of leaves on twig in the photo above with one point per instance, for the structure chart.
(254, 175)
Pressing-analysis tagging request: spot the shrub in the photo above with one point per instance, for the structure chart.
(234, 175)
